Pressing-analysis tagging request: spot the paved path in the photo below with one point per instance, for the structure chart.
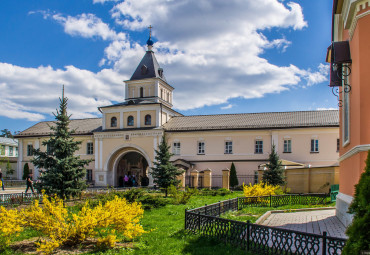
(11, 190)
(308, 221)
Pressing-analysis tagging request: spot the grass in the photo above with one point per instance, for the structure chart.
(167, 236)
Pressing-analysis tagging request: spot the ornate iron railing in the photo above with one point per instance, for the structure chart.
(258, 238)
(18, 198)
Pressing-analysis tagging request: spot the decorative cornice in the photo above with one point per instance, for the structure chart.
(354, 151)
(131, 134)
(354, 23)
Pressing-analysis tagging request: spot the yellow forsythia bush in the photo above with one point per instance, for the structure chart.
(261, 189)
(10, 226)
(65, 228)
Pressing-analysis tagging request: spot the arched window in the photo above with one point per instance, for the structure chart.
(148, 119)
(141, 92)
(130, 121)
(113, 122)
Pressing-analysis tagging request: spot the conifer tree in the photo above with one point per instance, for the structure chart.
(359, 231)
(274, 175)
(26, 171)
(61, 172)
(164, 172)
(233, 177)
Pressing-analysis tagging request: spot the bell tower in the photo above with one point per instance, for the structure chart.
(148, 81)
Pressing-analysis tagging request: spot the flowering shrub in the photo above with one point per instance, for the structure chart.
(10, 226)
(65, 228)
(261, 189)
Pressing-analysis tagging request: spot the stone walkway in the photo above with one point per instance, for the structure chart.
(12, 190)
(316, 222)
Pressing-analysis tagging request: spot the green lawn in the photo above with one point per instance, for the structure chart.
(167, 235)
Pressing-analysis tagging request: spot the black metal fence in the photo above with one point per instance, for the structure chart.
(216, 181)
(257, 238)
(14, 183)
(247, 179)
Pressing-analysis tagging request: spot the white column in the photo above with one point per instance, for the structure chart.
(103, 121)
(158, 118)
(138, 118)
(96, 154)
(20, 159)
(36, 170)
(133, 92)
(121, 120)
(156, 87)
(101, 154)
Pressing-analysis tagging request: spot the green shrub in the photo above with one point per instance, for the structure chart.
(134, 194)
(181, 197)
(149, 202)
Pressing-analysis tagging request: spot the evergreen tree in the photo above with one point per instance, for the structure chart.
(359, 231)
(164, 172)
(62, 173)
(26, 171)
(233, 177)
(274, 175)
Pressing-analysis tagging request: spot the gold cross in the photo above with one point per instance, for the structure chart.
(150, 31)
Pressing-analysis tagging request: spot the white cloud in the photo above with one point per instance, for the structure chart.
(32, 92)
(229, 106)
(326, 109)
(210, 51)
(103, 1)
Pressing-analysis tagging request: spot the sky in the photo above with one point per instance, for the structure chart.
(235, 56)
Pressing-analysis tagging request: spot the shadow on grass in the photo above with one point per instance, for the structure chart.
(198, 245)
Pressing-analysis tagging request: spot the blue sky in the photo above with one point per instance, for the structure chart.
(221, 56)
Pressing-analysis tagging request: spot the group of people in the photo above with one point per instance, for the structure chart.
(129, 181)
(29, 182)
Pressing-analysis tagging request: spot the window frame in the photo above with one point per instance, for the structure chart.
(90, 148)
(113, 121)
(287, 146)
(228, 147)
(29, 150)
(89, 175)
(11, 151)
(201, 148)
(176, 148)
(314, 145)
(148, 123)
(258, 146)
(129, 119)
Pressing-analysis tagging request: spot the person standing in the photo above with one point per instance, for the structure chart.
(29, 183)
(1, 179)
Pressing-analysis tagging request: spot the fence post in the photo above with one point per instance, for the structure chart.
(186, 219)
(229, 204)
(324, 243)
(205, 209)
(248, 233)
(199, 222)
(270, 200)
(219, 208)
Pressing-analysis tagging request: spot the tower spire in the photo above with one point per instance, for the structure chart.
(150, 42)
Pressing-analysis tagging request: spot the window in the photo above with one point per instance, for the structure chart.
(314, 145)
(29, 150)
(201, 148)
(287, 146)
(141, 92)
(11, 151)
(2, 150)
(176, 148)
(130, 121)
(89, 175)
(49, 149)
(89, 148)
(148, 119)
(228, 147)
(338, 144)
(113, 122)
(258, 148)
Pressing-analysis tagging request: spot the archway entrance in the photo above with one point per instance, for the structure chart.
(132, 170)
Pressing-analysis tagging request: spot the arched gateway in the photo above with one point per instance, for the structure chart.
(131, 170)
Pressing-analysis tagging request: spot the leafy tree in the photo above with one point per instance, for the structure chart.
(9, 170)
(26, 171)
(62, 173)
(359, 231)
(164, 172)
(6, 133)
(274, 175)
(233, 177)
